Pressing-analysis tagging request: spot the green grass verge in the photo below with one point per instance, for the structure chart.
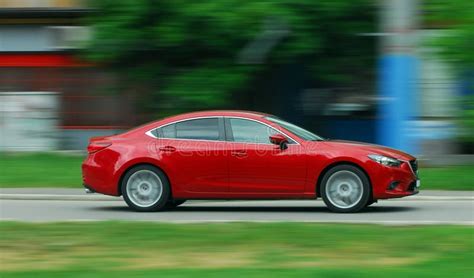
(56, 170)
(40, 170)
(448, 178)
(121, 249)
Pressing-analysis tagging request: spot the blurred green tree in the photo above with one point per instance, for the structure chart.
(456, 18)
(194, 54)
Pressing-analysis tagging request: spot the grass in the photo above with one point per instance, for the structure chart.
(40, 170)
(139, 249)
(56, 170)
(448, 178)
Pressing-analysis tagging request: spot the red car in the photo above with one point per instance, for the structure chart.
(242, 155)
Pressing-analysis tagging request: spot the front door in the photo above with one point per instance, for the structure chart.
(256, 166)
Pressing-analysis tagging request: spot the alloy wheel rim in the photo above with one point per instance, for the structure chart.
(144, 188)
(344, 189)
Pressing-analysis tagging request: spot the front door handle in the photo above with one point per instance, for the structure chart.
(239, 153)
(167, 149)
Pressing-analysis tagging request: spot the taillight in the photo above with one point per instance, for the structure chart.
(97, 146)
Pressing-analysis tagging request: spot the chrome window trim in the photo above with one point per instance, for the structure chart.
(150, 132)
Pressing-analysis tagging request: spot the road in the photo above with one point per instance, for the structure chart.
(404, 211)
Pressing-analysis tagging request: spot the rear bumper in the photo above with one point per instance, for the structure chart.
(88, 189)
(97, 176)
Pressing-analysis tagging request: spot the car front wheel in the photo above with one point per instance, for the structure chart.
(145, 188)
(345, 188)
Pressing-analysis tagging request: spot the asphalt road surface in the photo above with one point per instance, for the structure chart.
(404, 211)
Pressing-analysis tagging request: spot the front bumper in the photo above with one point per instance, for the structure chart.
(395, 182)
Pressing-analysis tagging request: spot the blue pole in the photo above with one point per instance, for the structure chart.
(398, 102)
(397, 85)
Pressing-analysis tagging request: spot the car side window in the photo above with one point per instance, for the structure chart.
(250, 131)
(198, 129)
(168, 131)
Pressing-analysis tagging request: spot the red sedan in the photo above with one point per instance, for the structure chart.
(242, 155)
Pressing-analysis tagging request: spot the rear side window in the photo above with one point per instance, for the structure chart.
(198, 129)
(168, 131)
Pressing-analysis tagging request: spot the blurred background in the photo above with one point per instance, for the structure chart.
(394, 72)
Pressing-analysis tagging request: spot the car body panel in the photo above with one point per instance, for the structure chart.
(201, 169)
(265, 168)
(195, 166)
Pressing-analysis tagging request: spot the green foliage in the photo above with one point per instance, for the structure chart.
(458, 17)
(186, 53)
(457, 47)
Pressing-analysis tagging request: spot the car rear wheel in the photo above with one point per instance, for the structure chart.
(345, 188)
(145, 188)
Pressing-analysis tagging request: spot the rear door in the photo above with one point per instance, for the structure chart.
(194, 153)
(256, 166)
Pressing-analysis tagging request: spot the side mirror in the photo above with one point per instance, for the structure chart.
(279, 139)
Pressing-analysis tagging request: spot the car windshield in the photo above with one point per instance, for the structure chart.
(298, 131)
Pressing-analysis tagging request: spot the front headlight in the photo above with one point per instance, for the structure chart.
(385, 160)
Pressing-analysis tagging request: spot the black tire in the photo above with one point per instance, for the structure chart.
(160, 204)
(174, 203)
(366, 189)
(370, 202)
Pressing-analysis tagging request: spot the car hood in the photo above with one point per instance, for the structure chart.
(371, 148)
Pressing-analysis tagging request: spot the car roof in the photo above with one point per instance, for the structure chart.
(213, 113)
(235, 113)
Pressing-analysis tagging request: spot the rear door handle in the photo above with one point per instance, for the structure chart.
(167, 149)
(239, 153)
